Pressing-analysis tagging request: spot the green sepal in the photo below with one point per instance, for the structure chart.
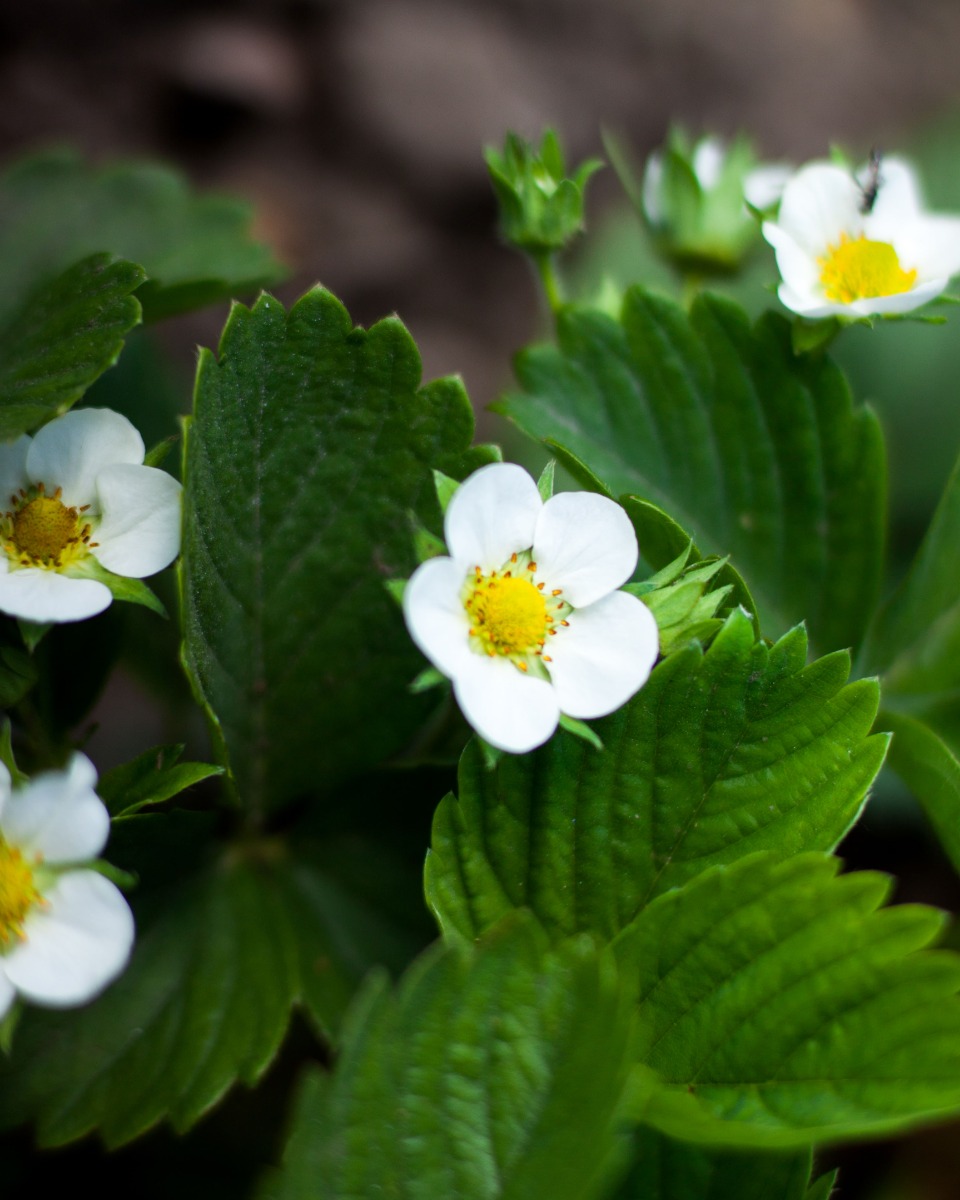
(152, 778)
(428, 678)
(126, 881)
(809, 337)
(8, 1026)
(545, 482)
(445, 487)
(33, 632)
(6, 754)
(581, 730)
(396, 588)
(425, 544)
(122, 587)
(158, 453)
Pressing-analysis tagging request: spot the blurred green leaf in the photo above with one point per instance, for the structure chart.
(312, 441)
(722, 753)
(223, 954)
(665, 1169)
(60, 336)
(754, 451)
(492, 1073)
(780, 1008)
(931, 770)
(196, 250)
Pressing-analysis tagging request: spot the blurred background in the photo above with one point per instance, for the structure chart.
(355, 128)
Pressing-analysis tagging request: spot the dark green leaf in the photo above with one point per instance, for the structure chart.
(196, 250)
(930, 768)
(60, 337)
(311, 442)
(722, 753)
(221, 958)
(151, 778)
(493, 1073)
(780, 1008)
(18, 674)
(756, 452)
(665, 1169)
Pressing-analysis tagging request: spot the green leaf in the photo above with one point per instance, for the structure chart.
(665, 1169)
(60, 337)
(222, 956)
(931, 770)
(780, 1008)
(492, 1073)
(757, 453)
(196, 250)
(18, 674)
(722, 753)
(151, 778)
(311, 442)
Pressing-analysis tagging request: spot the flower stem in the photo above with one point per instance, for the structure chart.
(546, 269)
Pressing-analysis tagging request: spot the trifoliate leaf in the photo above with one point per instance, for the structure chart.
(665, 1169)
(757, 452)
(222, 956)
(722, 753)
(151, 778)
(780, 1008)
(492, 1073)
(311, 442)
(196, 250)
(60, 336)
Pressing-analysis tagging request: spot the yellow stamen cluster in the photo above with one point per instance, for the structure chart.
(861, 269)
(511, 614)
(18, 893)
(41, 531)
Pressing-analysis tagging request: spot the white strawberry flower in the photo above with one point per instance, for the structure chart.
(65, 930)
(847, 248)
(525, 616)
(79, 500)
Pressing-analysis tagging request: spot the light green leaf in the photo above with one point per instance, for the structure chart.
(196, 250)
(722, 753)
(223, 954)
(151, 778)
(61, 335)
(756, 452)
(311, 442)
(931, 770)
(780, 1008)
(665, 1169)
(492, 1073)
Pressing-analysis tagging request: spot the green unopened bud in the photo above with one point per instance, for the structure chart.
(696, 199)
(541, 208)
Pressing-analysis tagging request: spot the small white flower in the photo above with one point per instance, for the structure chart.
(65, 931)
(78, 492)
(524, 616)
(842, 251)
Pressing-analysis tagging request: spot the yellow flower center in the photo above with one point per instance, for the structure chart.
(860, 269)
(41, 531)
(512, 615)
(18, 893)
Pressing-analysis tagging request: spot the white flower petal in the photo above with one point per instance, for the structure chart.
(604, 656)
(35, 594)
(435, 616)
(810, 304)
(73, 449)
(58, 815)
(931, 245)
(6, 786)
(492, 515)
(819, 203)
(898, 198)
(512, 711)
(76, 945)
(13, 468)
(652, 187)
(899, 302)
(799, 269)
(763, 186)
(139, 533)
(708, 161)
(584, 544)
(8, 993)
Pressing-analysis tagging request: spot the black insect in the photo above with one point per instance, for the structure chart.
(873, 181)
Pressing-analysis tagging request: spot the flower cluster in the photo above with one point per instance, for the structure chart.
(83, 507)
(525, 616)
(65, 930)
(860, 245)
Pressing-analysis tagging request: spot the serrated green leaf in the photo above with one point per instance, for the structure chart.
(722, 753)
(665, 1169)
(493, 1073)
(311, 442)
(60, 337)
(222, 956)
(780, 1008)
(196, 250)
(756, 452)
(151, 778)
